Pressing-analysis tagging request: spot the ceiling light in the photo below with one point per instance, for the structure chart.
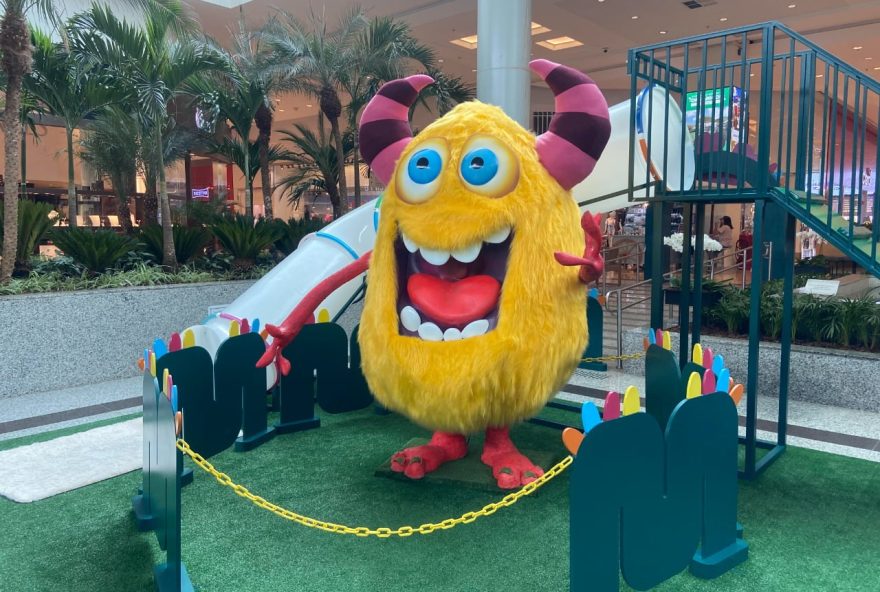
(440, 60)
(309, 105)
(877, 67)
(752, 75)
(635, 18)
(792, 5)
(474, 70)
(663, 32)
(558, 43)
(869, 58)
(281, 110)
(819, 75)
(469, 42)
(857, 47)
(601, 1)
(538, 29)
(723, 19)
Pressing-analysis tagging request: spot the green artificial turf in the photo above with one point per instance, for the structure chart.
(811, 521)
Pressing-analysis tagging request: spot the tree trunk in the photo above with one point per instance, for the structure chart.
(340, 159)
(169, 258)
(72, 206)
(248, 182)
(263, 120)
(151, 202)
(16, 50)
(333, 193)
(357, 172)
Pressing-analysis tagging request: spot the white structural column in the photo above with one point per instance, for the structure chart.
(503, 49)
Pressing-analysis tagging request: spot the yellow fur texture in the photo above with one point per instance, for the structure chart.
(509, 373)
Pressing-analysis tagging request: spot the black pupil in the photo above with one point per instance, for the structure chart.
(422, 162)
(477, 162)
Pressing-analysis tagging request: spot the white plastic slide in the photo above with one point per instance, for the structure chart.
(339, 243)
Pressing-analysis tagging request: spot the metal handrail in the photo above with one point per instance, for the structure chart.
(668, 275)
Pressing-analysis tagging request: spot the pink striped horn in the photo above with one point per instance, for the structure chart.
(384, 130)
(580, 128)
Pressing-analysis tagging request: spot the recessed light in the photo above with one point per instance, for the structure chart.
(857, 47)
(819, 75)
(663, 32)
(752, 75)
(538, 29)
(469, 42)
(877, 67)
(792, 5)
(601, 1)
(558, 43)
(281, 110)
(634, 17)
(440, 60)
(309, 105)
(723, 19)
(869, 58)
(474, 70)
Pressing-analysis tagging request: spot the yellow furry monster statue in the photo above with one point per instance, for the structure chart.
(474, 314)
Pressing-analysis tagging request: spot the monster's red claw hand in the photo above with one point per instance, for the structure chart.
(591, 263)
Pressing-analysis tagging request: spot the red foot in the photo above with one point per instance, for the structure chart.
(416, 461)
(509, 467)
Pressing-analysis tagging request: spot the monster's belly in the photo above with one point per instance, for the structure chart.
(496, 379)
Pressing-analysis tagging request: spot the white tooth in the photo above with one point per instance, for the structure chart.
(499, 236)
(468, 254)
(408, 243)
(435, 257)
(410, 319)
(476, 328)
(430, 332)
(451, 334)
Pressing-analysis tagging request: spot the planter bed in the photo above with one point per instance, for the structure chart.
(61, 339)
(840, 377)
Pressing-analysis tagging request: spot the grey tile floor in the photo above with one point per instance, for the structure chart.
(815, 426)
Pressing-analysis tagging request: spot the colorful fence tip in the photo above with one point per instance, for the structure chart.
(234, 329)
(571, 439)
(697, 355)
(189, 339)
(245, 327)
(178, 423)
(645, 344)
(631, 401)
(659, 337)
(167, 383)
(708, 358)
(159, 348)
(174, 342)
(323, 316)
(255, 326)
(667, 340)
(717, 364)
(612, 406)
(593, 293)
(264, 333)
(153, 364)
(708, 382)
(723, 382)
(652, 337)
(590, 416)
(174, 398)
(694, 386)
(736, 393)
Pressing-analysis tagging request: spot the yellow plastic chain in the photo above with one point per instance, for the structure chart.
(363, 531)
(634, 356)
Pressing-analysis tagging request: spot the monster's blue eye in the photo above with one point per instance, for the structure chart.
(418, 179)
(479, 166)
(488, 166)
(424, 166)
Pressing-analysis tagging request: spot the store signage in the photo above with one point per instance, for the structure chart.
(720, 116)
(201, 193)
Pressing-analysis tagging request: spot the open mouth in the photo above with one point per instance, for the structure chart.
(450, 295)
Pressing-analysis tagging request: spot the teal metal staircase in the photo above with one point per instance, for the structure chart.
(773, 118)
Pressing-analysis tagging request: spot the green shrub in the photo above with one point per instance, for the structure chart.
(189, 242)
(33, 225)
(732, 310)
(97, 250)
(243, 238)
(293, 231)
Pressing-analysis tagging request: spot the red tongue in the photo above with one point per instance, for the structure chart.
(453, 303)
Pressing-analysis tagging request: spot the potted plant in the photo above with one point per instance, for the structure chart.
(711, 290)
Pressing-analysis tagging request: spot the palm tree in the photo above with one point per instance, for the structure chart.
(255, 61)
(157, 61)
(15, 47)
(248, 160)
(69, 89)
(316, 162)
(113, 147)
(326, 57)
